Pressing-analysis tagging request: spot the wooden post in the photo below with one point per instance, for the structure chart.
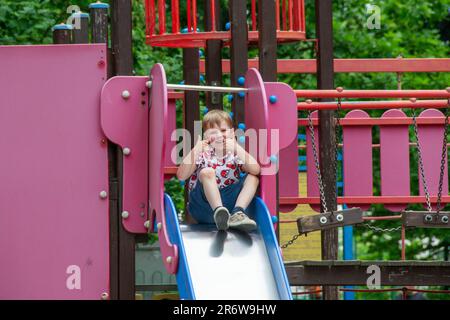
(191, 112)
(62, 33)
(123, 65)
(238, 54)
(268, 63)
(325, 80)
(80, 27)
(213, 56)
(99, 34)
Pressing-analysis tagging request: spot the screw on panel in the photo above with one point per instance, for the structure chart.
(340, 217)
(323, 220)
(126, 151)
(125, 94)
(428, 218)
(147, 224)
(444, 219)
(169, 259)
(125, 214)
(103, 194)
(105, 296)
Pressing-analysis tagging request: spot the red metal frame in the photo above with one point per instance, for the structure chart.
(293, 24)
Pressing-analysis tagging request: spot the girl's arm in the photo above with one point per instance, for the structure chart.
(188, 165)
(250, 164)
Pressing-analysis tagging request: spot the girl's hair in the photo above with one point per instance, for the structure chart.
(215, 117)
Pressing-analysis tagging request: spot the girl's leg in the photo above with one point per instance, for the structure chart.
(207, 177)
(248, 191)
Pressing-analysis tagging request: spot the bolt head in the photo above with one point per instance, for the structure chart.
(126, 151)
(125, 214)
(444, 219)
(147, 224)
(323, 220)
(340, 217)
(125, 94)
(103, 194)
(159, 225)
(169, 259)
(105, 296)
(428, 218)
(148, 84)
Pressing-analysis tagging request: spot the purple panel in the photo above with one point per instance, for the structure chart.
(282, 116)
(125, 122)
(394, 160)
(256, 118)
(431, 137)
(357, 154)
(158, 124)
(54, 226)
(312, 186)
(171, 127)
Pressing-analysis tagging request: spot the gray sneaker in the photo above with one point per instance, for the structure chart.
(241, 221)
(221, 217)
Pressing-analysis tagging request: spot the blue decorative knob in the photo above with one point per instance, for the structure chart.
(274, 219)
(202, 78)
(242, 139)
(200, 53)
(273, 158)
(241, 94)
(205, 111)
(231, 115)
(228, 26)
(230, 97)
(241, 81)
(184, 30)
(241, 126)
(182, 82)
(273, 99)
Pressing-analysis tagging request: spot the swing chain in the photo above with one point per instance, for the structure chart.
(443, 160)
(293, 239)
(378, 229)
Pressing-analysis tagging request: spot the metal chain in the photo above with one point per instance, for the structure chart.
(377, 229)
(293, 239)
(443, 159)
(317, 164)
(421, 167)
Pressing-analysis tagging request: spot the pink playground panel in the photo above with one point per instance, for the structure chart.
(53, 221)
(125, 122)
(431, 137)
(357, 153)
(394, 160)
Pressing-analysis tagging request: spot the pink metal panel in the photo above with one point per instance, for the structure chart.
(312, 189)
(256, 118)
(431, 137)
(357, 158)
(125, 122)
(171, 127)
(394, 160)
(282, 116)
(157, 126)
(54, 226)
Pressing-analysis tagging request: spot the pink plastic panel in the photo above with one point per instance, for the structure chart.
(357, 154)
(282, 115)
(311, 174)
(256, 117)
(125, 122)
(157, 142)
(394, 160)
(431, 137)
(171, 127)
(54, 237)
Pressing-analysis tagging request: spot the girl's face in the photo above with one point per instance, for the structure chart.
(218, 133)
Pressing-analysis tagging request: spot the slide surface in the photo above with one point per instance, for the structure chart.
(229, 264)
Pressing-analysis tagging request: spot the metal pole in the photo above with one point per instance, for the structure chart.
(185, 87)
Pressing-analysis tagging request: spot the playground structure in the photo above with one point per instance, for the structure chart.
(123, 118)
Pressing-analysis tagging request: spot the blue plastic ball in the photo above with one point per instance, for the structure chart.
(205, 111)
(230, 97)
(241, 81)
(273, 99)
(184, 30)
(241, 94)
(228, 26)
(202, 78)
(241, 126)
(274, 219)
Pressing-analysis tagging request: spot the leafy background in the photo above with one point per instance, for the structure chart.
(409, 28)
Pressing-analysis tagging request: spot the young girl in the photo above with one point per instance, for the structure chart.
(223, 176)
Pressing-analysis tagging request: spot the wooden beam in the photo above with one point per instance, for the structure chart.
(325, 80)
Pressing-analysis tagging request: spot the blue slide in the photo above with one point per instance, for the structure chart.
(227, 265)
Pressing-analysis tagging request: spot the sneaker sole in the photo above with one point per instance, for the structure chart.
(247, 227)
(221, 219)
